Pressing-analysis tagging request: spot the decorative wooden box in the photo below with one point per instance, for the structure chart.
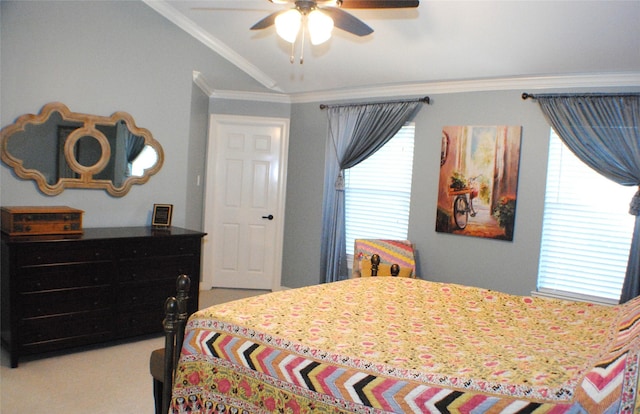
(32, 221)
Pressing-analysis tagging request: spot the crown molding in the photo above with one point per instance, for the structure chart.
(251, 96)
(533, 83)
(202, 83)
(177, 18)
(603, 80)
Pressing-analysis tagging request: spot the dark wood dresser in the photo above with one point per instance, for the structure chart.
(60, 292)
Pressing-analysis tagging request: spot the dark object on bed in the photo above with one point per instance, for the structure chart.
(163, 361)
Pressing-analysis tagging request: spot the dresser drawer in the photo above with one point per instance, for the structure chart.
(65, 301)
(42, 278)
(56, 328)
(139, 323)
(155, 269)
(145, 296)
(158, 248)
(52, 253)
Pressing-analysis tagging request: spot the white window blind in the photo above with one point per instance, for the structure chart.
(378, 192)
(586, 232)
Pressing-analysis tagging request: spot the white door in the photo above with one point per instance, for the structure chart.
(244, 202)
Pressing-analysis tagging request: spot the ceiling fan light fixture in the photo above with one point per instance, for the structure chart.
(320, 27)
(288, 25)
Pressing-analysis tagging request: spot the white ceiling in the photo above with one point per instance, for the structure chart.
(440, 42)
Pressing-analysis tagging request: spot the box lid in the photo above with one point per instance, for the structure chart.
(39, 209)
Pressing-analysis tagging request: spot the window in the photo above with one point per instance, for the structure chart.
(586, 232)
(146, 159)
(378, 192)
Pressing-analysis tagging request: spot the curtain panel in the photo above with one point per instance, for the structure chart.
(355, 133)
(604, 132)
(133, 144)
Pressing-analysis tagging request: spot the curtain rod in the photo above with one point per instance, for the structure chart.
(425, 99)
(526, 95)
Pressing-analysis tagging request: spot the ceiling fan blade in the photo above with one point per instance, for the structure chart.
(233, 5)
(377, 4)
(267, 21)
(347, 22)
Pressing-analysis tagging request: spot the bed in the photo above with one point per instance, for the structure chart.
(403, 345)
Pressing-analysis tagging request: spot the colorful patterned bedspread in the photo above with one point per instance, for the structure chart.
(373, 345)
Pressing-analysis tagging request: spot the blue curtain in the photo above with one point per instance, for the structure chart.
(604, 132)
(355, 133)
(134, 144)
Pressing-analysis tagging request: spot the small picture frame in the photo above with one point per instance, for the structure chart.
(162, 215)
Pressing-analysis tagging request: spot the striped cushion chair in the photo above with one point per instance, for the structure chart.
(391, 252)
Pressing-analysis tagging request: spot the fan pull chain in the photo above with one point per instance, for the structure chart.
(302, 45)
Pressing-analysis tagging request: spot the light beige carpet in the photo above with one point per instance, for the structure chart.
(97, 380)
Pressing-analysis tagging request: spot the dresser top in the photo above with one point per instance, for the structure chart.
(101, 233)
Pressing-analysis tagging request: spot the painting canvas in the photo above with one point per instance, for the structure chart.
(477, 191)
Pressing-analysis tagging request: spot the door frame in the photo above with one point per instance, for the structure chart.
(213, 140)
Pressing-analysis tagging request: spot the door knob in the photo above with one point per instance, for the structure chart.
(269, 217)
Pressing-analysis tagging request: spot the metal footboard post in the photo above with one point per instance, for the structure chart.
(170, 326)
(183, 285)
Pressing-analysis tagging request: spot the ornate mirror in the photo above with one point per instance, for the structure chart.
(60, 149)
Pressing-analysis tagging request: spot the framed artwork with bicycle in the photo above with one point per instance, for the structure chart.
(478, 182)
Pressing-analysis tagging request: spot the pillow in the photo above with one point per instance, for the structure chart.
(383, 269)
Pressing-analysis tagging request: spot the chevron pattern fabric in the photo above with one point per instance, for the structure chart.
(398, 252)
(297, 351)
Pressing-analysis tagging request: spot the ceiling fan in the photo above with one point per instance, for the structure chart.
(341, 19)
(321, 16)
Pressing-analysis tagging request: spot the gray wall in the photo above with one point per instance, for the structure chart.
(302, 230)
(494, 264)
(103, 57)
(196, 163)
(500, 265)
(248, 108)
